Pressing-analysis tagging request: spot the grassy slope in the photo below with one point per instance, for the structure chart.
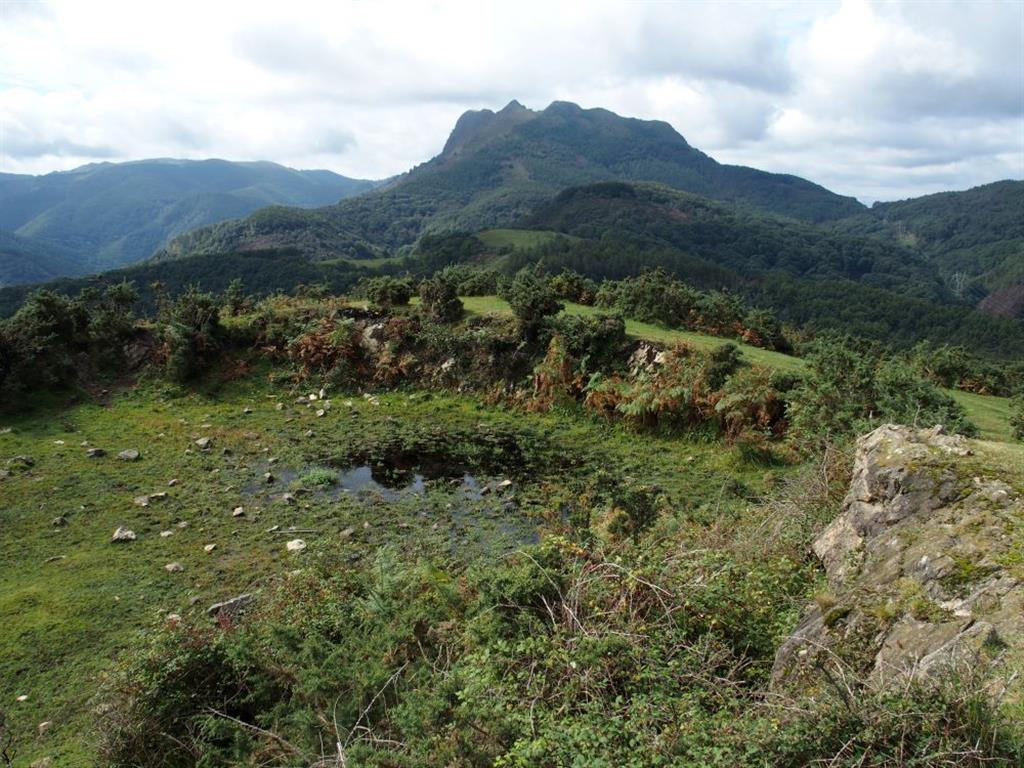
(62, 622)
(518, 238)
(991, 414)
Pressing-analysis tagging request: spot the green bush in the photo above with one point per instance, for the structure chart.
(853, 388)
(385, 292)
(190, 331)
(439, 299)
(1017, 416)
(532, 300)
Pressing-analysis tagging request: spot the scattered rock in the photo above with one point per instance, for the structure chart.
(295, 545)
(60, 521)
(268, 477)
(142, 501)
(273, 529)
(55, 558)
(504, 484)
(251, 436)
(247, 411)
(309, 433)
(158, 496)
(279, 407)
(166, 534)
(288, 498)
(42, 762)
(183, 523)
(172, 482)
(44, 727)
(174, 568)
(204, 443)
(321, 412)
(129, 454)
(21, 699)
(123, 534)
(21, 462)
(96, 453)
(231, 607)
(209, 548)
(238, 512)
(347, 533)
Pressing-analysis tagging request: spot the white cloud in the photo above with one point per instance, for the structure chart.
(877, 100)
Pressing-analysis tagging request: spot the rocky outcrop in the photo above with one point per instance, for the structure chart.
(925, 565)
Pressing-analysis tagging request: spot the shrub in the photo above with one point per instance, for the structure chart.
(439, 299)
(190, 330)
(1017, 416)
(852, 388)
(532, 300)
(385, 292)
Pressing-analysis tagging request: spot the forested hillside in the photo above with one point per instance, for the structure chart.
(496, 167)
(107, 215)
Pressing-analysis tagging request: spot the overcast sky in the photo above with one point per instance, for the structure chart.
(878, 100)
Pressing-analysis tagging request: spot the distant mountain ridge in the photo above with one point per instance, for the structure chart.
(105, 215)
(496, 167)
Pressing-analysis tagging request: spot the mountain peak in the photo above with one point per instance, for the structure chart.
(477, 126)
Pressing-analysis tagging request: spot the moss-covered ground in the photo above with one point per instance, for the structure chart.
(71, 600)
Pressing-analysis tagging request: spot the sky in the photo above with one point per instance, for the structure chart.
(880, 100)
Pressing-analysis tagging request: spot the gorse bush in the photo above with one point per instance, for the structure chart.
(1017, 416)
(852, 388)
(385, 292)
(41, 343)
(439, 299)
(190, 333)
(532, 299)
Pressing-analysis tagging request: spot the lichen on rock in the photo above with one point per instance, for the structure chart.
(922, 564)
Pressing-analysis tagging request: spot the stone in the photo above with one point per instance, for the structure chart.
(21, 462)
(204, 443)
(123, 534)
(141, 501)
(44, 727)
(174, 568)
(96, 453)
(172, 482)
(295, 545)
(268, 477)
(288, 498)
(309, 433)
(273, 529)
(247, 411)
(158, 496)
(166, 534)
(21, 699)
(917, 562)
(231, 607)
(182, 523)
(60, 521)
(238, 512)
(504, 484)
(42, 762)
(208, 548)
(347, 533)
(321, 412)
(129, 454)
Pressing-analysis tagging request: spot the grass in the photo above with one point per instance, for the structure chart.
(518, 239)
(991, 414)
(63, 622)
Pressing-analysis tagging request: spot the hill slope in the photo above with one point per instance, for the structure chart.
(496, 167)
(107, 215)
(975, 238)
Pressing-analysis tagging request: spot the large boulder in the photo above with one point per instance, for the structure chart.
(925, 566)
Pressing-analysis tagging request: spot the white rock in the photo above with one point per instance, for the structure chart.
(165, 534)
(123, 534)
(209, 548)
(174, 568)
(238, 512)
(296, 545)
